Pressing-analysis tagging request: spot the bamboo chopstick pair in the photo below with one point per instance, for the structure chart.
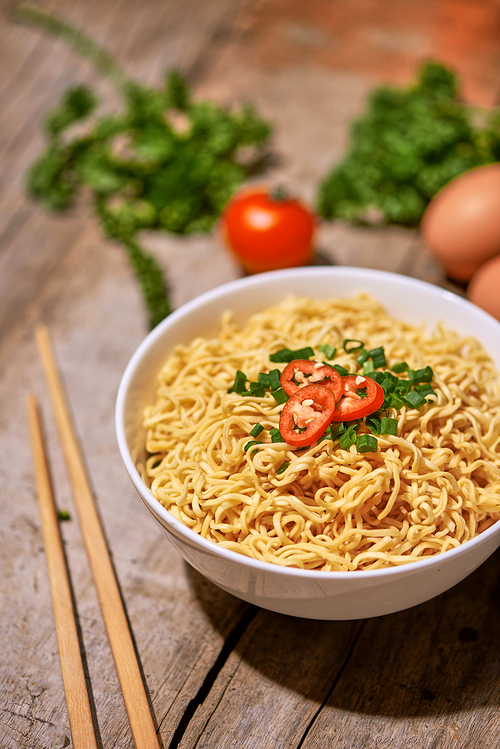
(113, 612)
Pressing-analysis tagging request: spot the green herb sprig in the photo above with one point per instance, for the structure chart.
(404, 148)
(165, 162)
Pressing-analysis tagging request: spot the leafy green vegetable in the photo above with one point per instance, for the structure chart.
(404, 148)
(258, 429)
(283, 467)
(165, 162)
(288, 355)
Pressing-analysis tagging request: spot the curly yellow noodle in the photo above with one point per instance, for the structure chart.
(429, 489)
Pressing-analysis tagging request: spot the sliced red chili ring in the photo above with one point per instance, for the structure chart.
(306, 415)
(301, 372)
(361, 397)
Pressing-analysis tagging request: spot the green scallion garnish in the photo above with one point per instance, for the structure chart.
(373, 424)
(274, 379)
(425, 389)
(414, 399)
(258, 428)
(366, 443)
(288, 355)
(400, 367)
(279, 395)
(263, 379)
(388, 425)
(348, 437)
(364, 355)
(252, 443)
(337, 430)
(256, 390)
(283, 467)
(420, 375)
(276, 435)
(340, 369)
(392, 400)
(327, 350)
(378, 357)
(239, 383)
(350, 345)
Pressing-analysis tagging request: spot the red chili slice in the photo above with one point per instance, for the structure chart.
(361, 397)
(306, 415)
(302, 372)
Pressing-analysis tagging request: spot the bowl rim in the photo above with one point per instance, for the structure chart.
(211, 547)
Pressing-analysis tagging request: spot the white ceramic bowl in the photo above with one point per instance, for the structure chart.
(305, 593)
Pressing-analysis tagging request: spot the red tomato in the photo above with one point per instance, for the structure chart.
(306, 415)
(301, 372)
(362, 396)
(266, 231)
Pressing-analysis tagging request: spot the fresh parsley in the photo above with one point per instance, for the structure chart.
(404, 148)
(165, 162)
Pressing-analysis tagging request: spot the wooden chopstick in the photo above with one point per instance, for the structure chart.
(77, 698)
(113, 612)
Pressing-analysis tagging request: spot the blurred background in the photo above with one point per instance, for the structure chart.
(308, 69)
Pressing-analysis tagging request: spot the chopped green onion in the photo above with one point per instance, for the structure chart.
(401, 367)
(368, 367)
(420, 375)
(425, 389)
(403, 387)
(351, 349)
(366, 443)
(258, 428)
(340, 369)
(392, 400)
(263, 379)
(279, 395)
(327, 350)
(378, 377)
(364, 355)
(378, 357)
(283, 467)
(348, 437)
(63, 515)
(388, 382)
(252, 443)
(388, 425)
(413, 399)
(239, 383)
(274, 379)
(256, 390)
(287, 355)
(337, 430)
(373, 423)
(276, 435)
(327, 435)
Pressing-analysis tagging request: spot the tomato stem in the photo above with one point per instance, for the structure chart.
(279, 194)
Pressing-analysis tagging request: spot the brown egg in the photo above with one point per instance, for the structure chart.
(484, 287)
(461, 225)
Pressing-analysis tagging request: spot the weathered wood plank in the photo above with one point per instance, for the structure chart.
(268, 692)
(427, 677)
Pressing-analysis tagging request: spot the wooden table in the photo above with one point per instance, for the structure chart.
(220, 673)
